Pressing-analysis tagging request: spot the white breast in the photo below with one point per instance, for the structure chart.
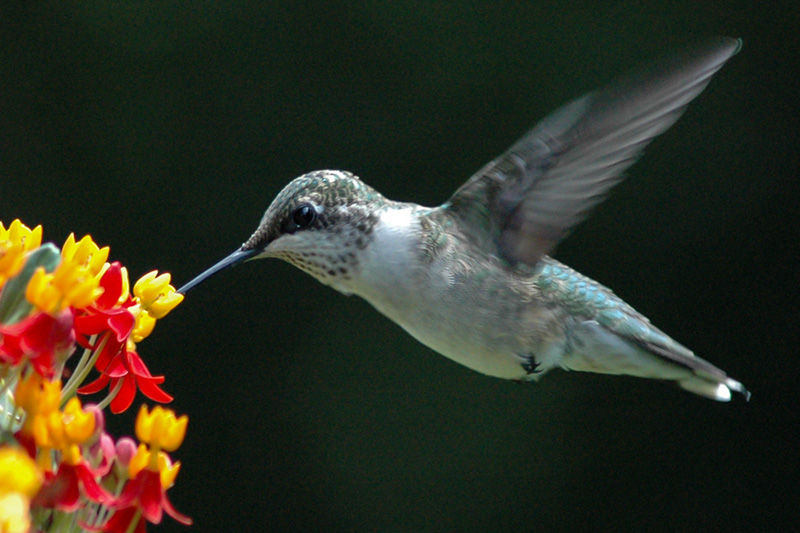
(399, 282)
(388, 265)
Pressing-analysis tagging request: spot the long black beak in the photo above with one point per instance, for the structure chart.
(234, 259)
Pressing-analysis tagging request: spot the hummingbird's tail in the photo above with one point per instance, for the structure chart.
(713, 388)
(705, 379)
(702, 377)
(637, 348)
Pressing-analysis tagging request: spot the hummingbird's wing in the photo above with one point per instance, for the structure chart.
(523, 203)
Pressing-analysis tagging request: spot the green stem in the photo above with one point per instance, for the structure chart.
(8, 407)
(111, 395)
(10, 378)
(15, 413)
(73, 519)
(104, 512)
(60, 521)
(39, 517)
(134, 521)
(78, 377)
(87, 352)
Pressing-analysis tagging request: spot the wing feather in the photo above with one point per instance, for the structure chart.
(523, 203)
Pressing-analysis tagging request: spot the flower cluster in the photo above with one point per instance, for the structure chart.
(59, 469)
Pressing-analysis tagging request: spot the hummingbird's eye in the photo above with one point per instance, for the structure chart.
(304, 215)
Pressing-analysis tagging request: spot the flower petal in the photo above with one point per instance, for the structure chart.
(95, 386)
(121, 323)
(91, 488)
(150, 495)
(112, 285)
(180, 517)
(150, 389)
(125, 396)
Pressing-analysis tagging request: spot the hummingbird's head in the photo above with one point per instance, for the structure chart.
(318, 223)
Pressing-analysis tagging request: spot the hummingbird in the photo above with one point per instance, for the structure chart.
(472, 279)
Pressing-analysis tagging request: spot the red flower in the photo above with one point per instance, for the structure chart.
(120, 522)
(145, 493)
(119, 321)
(41, 338)
(114, 323)
(107, 315)
(129, 369)
(63, 489)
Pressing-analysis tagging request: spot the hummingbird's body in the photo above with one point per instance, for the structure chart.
(462, 304)
(471, 279)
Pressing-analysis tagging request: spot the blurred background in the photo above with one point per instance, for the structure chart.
(165, 129)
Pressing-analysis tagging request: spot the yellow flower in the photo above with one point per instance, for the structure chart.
(76, 281)
(11, 261)
(42, 293)
(14, 243)
(161, 462)
(143, 327)
(139, 461)
(19, 233)
(85, 253)
(156, 295)
(160, 428)
(61, 430)
(52, 429)
(18, 472)
(20, 480)
(36, 395)
(48, 431)
(78, 424)
(168, 470)
(14, 513)
(71, 455)
(154, 298)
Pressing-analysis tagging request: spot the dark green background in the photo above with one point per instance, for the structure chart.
(165, 129)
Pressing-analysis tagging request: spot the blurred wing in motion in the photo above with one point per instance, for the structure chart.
(523, 203)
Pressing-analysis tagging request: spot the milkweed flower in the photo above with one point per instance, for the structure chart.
(156, 295)
(84, 254)
(37, 397)
(126, 373)
(17, 472)
(19, 482)
(151, 472)
(121, 321)
(15, 242)
(160, 428)
(58, 467)
(44, 340)
(76, 280)
(155, 298)
(64, 432)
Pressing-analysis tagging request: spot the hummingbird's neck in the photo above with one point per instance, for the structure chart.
(391, 262)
